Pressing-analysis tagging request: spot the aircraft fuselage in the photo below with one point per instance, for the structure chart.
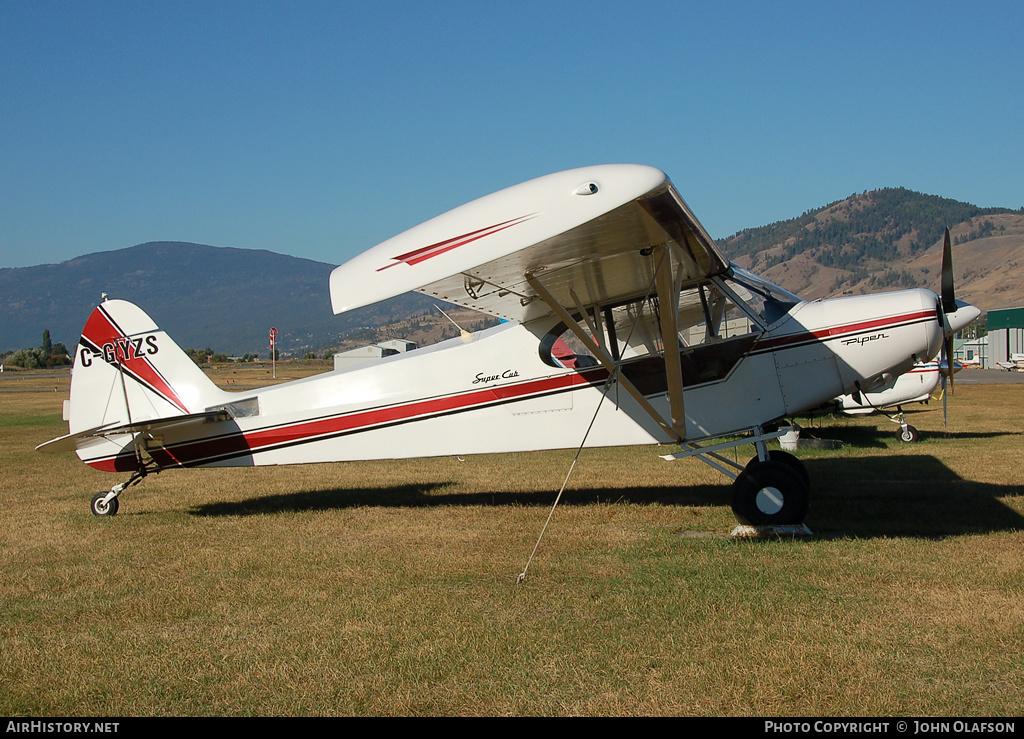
(494, 392)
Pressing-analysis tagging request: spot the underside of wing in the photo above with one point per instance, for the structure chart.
(592, 236)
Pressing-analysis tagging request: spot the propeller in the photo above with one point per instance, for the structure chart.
(948, 300)
(953, 315)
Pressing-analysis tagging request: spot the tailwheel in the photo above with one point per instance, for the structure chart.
(771, 493)
(908, 433)
(105, 504)
(103, 507)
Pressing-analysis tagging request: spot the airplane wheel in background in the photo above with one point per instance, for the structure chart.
(770, 494)
(791, 461)
(99, 508)
(908, 434)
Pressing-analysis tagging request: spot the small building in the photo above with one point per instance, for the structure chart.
(1005, 335)
(971, 352)
(371, 353)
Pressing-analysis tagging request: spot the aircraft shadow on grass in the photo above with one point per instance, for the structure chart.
(881, 436)
(908, 496)
(905, 495)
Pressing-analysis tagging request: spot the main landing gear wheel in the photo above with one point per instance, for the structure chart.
(770, 493)
(791, 461)
(104, 508)
(908, 434)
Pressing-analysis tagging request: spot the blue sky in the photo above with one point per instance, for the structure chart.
(319, 129)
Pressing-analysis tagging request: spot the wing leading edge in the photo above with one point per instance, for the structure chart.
(591, 236)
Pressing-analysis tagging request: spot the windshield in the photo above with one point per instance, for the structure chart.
(766, 299)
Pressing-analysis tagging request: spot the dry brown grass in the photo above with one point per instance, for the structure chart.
(389, 588)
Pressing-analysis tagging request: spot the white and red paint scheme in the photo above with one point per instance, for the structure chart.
(603, 247)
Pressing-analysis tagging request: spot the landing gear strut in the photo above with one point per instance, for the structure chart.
(773, 489)
(907, 432)
(106, 504)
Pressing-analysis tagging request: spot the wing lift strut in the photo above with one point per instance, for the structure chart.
(772, 490)
(675, 426)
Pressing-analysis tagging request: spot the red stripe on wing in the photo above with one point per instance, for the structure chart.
(427, 252)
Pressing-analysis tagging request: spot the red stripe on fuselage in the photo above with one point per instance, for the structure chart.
(234, 445)
(827, 334)
(433, 407)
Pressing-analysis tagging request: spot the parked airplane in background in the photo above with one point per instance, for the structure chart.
(624, 325)
(1015, 363)
(915, 386)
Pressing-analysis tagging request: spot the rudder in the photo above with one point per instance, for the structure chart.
(127, 370)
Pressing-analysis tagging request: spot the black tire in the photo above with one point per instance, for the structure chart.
(99, 508)
(909, 434)
(770, 494)
(791, 461)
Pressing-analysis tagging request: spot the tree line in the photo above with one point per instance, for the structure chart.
(48, 355)
(44, 356)
(208, 356)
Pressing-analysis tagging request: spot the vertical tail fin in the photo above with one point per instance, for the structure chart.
(127, 370)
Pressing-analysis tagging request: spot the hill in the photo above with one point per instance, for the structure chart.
(889, 239)
(227, 298)
(224, 298)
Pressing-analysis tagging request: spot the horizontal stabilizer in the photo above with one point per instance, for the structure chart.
(71, 442)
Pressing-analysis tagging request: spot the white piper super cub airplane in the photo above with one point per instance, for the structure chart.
(612, 296)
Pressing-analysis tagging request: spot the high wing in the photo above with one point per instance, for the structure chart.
(585, 238)
(589, 236)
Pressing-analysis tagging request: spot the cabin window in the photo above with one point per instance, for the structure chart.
(717, 324)
(561, 347)
(706, 314)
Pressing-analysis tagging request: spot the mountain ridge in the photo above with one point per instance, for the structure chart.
(889, 239)
(227, 298)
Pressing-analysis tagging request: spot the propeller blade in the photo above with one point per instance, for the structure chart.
(947, 349)
(944, 360)
(947, 303)
(945, 417)
(948, 294)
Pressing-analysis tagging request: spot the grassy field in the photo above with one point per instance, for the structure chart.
(390, 588)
